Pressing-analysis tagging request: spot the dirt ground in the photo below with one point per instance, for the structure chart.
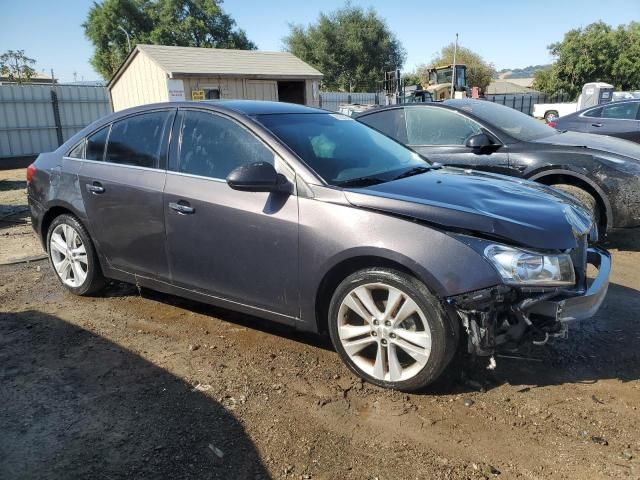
(136, 384)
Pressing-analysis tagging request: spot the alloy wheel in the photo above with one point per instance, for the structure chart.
(384, 332)
(69, 255)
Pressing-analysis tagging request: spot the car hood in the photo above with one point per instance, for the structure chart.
(603, 143)
(517, 211)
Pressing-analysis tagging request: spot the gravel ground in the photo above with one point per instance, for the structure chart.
(136, 384)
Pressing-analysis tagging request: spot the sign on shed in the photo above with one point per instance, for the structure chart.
(176, 90)
(197, 95)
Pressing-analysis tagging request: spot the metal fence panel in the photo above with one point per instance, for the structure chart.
(34, 118)
(333, 100)
(525, 102)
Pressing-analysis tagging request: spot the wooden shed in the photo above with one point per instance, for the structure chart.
(158, 73)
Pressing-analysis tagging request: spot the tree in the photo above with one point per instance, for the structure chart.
(16, 66)
(597, 53)
(479, 72)
(350, 46)
(187, 23)
(196, 23)
(411, 78)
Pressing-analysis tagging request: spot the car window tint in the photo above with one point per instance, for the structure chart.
(77, 151)
(212, 146)
(137, 140)
(595, 113)
(437, 126)
(390, 122)
(626, 111)
(96, 144)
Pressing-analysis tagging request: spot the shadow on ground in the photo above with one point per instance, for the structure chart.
(75, 405)
(604, 347)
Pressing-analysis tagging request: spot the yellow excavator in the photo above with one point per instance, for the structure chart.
(442, 78)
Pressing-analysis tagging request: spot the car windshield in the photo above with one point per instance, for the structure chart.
(342, 151)
(516, 124)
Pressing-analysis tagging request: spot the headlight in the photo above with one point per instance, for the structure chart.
(519, 267)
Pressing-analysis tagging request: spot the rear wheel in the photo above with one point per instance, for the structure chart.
(389, 330)
(551, 116)
(73, 256)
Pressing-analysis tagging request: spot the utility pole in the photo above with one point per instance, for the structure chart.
(453, 72)
(128, 37)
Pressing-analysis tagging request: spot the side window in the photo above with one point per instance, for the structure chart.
(78, 150)
(390, 122)
(212, 146)
(623, 111)
(96, 144)
(137, 140)
(595, 113)
(437, 126)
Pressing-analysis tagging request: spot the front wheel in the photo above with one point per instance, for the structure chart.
(390, 330)
(585, 199)
(73, 256)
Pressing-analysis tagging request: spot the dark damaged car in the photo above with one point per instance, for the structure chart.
(315, 220)
(602, 172)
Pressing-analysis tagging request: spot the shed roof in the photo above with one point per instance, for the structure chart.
(183, 61)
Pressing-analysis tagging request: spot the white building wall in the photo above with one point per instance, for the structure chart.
(141, 82)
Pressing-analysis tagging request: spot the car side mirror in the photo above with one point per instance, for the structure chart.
(258, 177)
(479, 141)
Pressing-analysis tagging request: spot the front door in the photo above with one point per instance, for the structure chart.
(122, 192)
(238, 246)
(440, 135)
(619, 120)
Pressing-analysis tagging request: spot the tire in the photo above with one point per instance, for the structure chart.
(550, 116)
(67, 238)
(376, 348)
(584, 198)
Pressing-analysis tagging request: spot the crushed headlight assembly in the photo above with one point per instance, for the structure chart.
(520, 267)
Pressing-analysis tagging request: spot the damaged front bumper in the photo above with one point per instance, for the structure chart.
(505, 315)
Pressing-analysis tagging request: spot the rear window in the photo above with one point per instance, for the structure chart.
(137, 140)
(96, 144)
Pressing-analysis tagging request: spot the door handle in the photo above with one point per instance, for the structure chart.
(96, 188)
(596, 124)
(182, 207)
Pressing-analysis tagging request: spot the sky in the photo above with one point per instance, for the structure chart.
(508, 33)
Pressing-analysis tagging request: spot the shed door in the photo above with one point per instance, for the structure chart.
(262, 90)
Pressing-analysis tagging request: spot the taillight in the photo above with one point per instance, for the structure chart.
(31, 170)
(552, 124)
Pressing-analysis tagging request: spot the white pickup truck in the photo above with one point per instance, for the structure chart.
(551, 111)
(593, 93)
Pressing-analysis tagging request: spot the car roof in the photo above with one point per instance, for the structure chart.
(243, 107)
(403, 105)
(262, 107)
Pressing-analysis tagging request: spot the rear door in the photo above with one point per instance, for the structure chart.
(238, 246)
(122, 191)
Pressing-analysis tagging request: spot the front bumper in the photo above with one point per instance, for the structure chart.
(584, 304)
(504, 315)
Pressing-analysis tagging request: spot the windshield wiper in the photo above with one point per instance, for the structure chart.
(414, 171)
(361, 182)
